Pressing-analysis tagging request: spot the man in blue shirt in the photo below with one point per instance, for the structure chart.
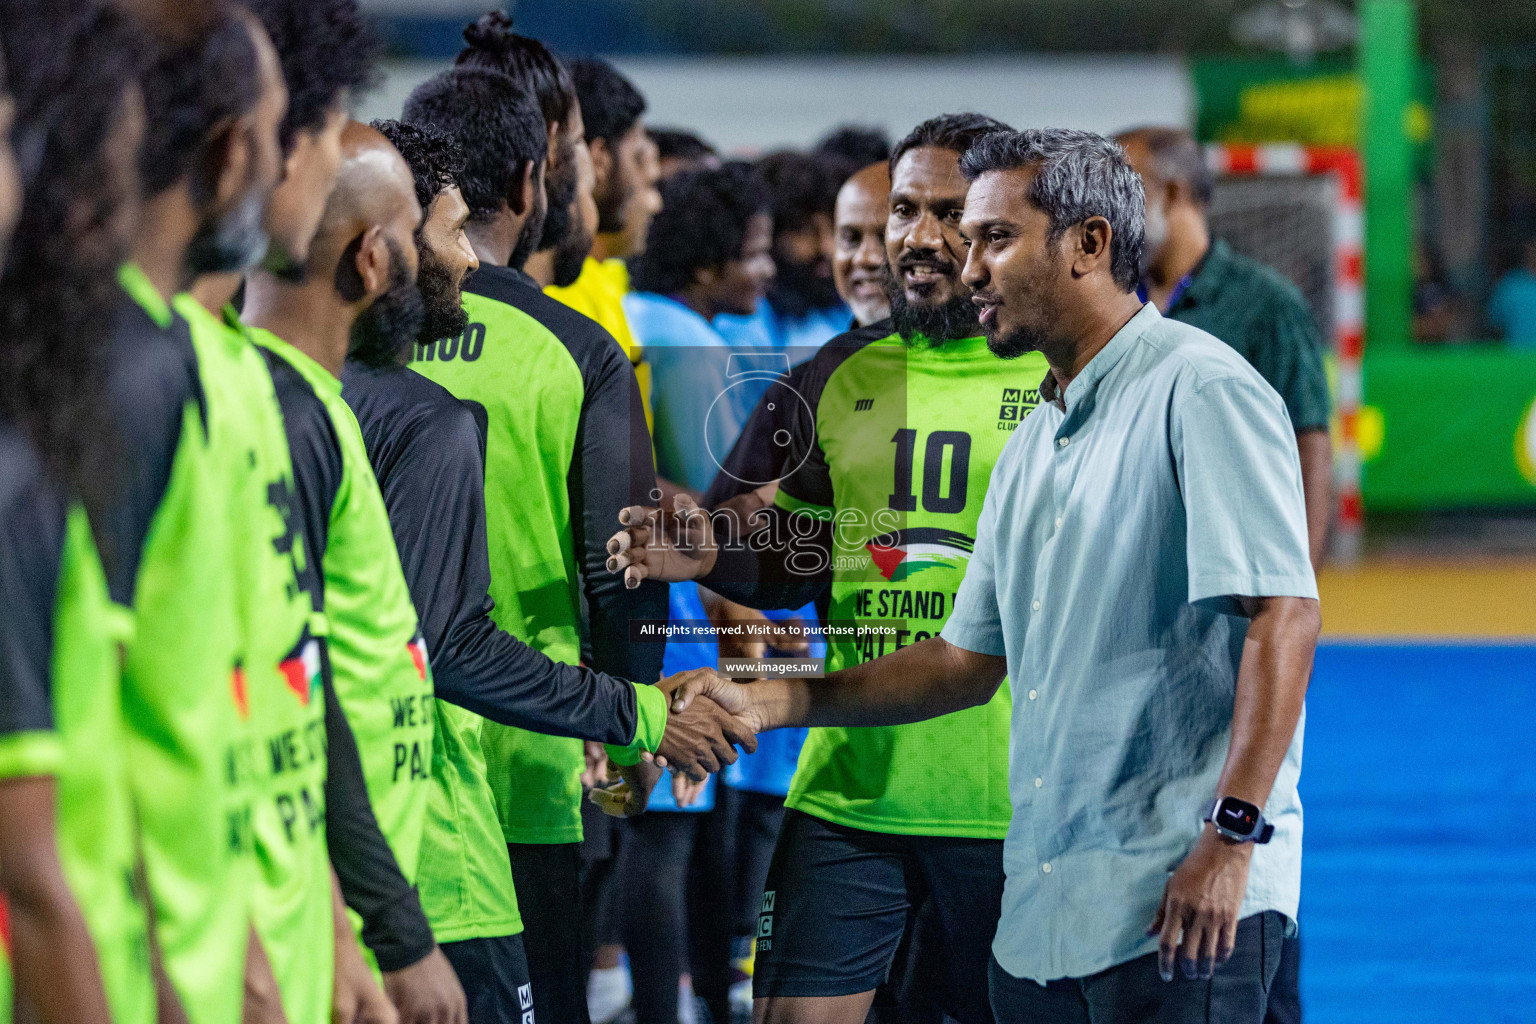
(802, 309)
(1141, 575)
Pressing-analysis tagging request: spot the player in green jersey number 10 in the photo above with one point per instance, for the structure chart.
(888, 463)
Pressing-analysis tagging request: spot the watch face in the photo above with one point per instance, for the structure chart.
(1237, 816)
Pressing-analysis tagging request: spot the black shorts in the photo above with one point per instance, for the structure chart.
(494, 973)
(839, 900)
(548, 883)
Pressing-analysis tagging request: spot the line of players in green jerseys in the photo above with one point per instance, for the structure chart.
(274, 687)
(306, 553)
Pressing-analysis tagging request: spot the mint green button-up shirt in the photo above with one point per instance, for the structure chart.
(1122, 520)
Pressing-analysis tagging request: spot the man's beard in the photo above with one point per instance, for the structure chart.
(382, 335)
(1034, 336)
(560, 191)
(443, 301)
(230, 244)
(611, 207)
(571, 254)
(280, 264)
(528, 239)
(798, 287)
(930, 325)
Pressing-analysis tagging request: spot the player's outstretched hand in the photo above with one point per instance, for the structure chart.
(664, 545)
(701, 736)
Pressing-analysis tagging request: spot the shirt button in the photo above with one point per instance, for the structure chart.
(1046, 867)
(1062, 442)
(1039, 783)
(1035, 607)
(1033, 694)
(1058, 522)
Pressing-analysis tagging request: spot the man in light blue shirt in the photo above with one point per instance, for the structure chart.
(1141, 573)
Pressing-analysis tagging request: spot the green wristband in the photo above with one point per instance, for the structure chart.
(33, 752)
(650, 725)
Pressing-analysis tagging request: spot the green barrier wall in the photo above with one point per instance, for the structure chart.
(1449, 428)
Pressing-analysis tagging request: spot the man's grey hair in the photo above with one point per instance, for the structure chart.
(1077, 175)
(1175, 156)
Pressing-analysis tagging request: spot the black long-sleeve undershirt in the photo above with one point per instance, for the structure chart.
(395, 928)
(427, 452)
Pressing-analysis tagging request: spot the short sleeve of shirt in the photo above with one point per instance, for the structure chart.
(1240, 478)
(808, 483)
(976, 624)
(31, 548)
(1293, 365)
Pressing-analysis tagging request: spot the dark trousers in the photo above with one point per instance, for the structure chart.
(675, 912)
(1133, 993)
(494, 973)
(548, 882)
(1285, 994)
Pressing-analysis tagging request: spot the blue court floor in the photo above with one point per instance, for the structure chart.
(1419, 879)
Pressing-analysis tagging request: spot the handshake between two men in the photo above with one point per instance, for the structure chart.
(709, 715)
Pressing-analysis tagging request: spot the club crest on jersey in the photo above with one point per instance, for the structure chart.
(301, 669)
(1017, 403)
(902, 554)
(418, 649)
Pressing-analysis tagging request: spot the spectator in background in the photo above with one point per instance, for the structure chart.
(802, 308)
(1512, 307)
(1190, 277)
(681, 150)
(707, 254)
(858, 253)
(625, 172)
(859, 145)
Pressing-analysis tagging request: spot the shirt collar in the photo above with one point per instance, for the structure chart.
(1099, 366)
(140, 290)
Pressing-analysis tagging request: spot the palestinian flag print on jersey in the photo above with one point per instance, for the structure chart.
(301, 669)
(901, 554)
(418, 649)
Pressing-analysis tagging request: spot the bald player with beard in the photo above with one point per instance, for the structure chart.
(360, 292)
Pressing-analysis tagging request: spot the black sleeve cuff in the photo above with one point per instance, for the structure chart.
(399, 935)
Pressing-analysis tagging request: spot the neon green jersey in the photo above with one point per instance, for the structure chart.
(898, 452)
(281, 654)
(95, 822)
(527, 378)
(166, 545)
(61, 714)
(565, 449)
(466, 880)
(378, 661)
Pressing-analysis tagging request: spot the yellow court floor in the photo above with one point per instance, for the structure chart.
(1430, 598)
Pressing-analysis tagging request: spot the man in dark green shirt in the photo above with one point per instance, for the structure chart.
(1257, 311)
(1249, 306)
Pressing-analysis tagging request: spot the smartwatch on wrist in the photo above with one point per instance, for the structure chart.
(1239, 821)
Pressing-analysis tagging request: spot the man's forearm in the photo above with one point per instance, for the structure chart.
(1271, 688)
(763, 563)
(918, 682)
(1316, 450)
